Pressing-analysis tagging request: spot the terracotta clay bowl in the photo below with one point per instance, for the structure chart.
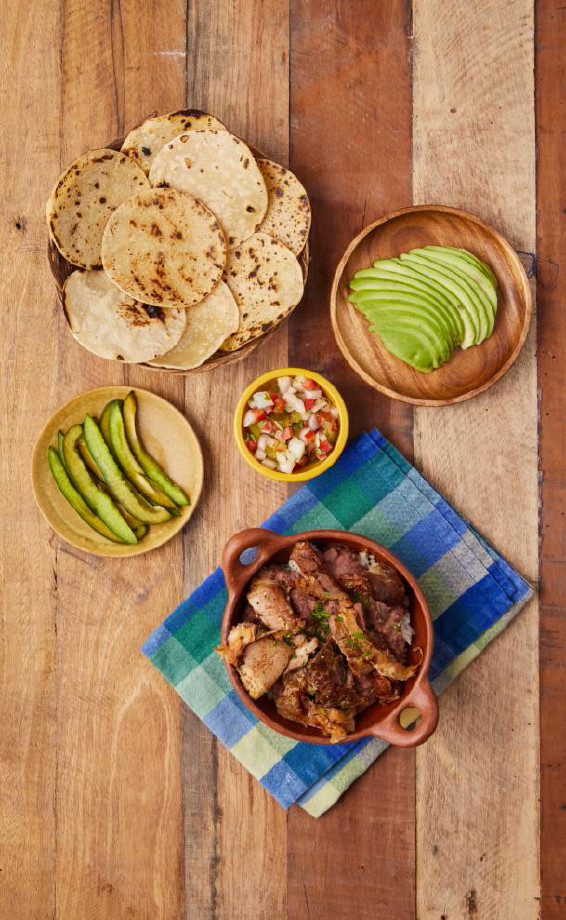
(61, 269)
(468, 372)
(376, 721)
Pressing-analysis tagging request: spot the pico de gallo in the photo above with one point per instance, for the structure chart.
(290, 424)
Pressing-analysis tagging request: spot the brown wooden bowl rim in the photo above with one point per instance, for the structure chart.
(237, 577)
(55, 258)
(499, 373)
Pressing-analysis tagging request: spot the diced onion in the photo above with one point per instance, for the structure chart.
(294, 404)
(263, 399)
(286, 462)
(313, 422)
(319, 404)
(333, 411)
(260, 454)
(262, 442)
(249, 418)
(296, 447)
(270, 464)
(313, 394)
(283, 383)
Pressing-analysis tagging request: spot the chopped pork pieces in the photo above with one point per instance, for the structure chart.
(324, 636)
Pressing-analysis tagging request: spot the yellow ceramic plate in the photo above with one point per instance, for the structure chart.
(167, 436)
(313, 469)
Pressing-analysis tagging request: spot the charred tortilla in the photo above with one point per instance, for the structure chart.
(266, 281)
(165, 248)
(83, 199)
(145, 141)
(209, 323)
(288, 215)
(112, 325)
(220, 170)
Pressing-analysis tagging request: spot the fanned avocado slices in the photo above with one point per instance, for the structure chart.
(151, 467)
(75, 499)
(427, 302)
(98, 501)
(120, 488)
(376, 281)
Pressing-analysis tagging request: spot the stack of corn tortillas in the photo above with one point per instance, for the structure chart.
(183, 244)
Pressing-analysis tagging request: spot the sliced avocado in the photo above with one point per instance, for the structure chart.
(399, 287)
(120, 488)
(74, 498)
(60, 439)
(410, 346)
(96, 499)
(470, 257)
(460, 299)
(454, 276)
(104, 420)
(469, 266)
(123, 453)
(431, 347)
(413, 301)
(139, 529)
(393, 310)
(155, 472)
(406, 272)
(450, 263)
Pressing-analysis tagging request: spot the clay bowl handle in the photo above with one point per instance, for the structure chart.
(237, 574)
(421, 697)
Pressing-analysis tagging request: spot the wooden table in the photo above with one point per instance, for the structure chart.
(115, 801)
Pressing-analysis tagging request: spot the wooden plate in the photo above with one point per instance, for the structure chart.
(168, 437)
(61, 269)
(468, 372)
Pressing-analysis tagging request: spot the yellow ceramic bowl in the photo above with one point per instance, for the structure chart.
(313, 469)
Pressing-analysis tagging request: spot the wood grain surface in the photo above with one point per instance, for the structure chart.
(551, 250)
(477, 780)
(115, 801)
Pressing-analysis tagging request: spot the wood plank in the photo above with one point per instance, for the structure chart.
(477, 778)
(118, 804)
(237, 68)
(30, 80)
(351, 146)
(551, 243)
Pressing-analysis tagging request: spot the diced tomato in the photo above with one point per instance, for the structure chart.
(309, 435)
(325, 446)
(279, 404)
(309, 384)
(309, 403)
(251, 445)
(260, 415)
(267, 427)
(287, 433)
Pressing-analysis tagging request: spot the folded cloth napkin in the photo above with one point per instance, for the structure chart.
(472, 593)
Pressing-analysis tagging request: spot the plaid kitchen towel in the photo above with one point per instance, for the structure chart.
(472, 593)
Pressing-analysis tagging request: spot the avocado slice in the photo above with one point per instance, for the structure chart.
(399, 287)
(139, 529)
(74, 498)
(469, 267)
(409, 345)
(126, 459)
(431, 348)
(470, 257)
(399, 299)
(104, 420)
(462, 323)
(393, 310)
(98, 501)
(152, 468)
(120, 488)
(458, 281)
(458, 294)
(475, 290)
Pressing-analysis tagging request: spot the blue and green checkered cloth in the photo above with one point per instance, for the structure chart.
(472, 593)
